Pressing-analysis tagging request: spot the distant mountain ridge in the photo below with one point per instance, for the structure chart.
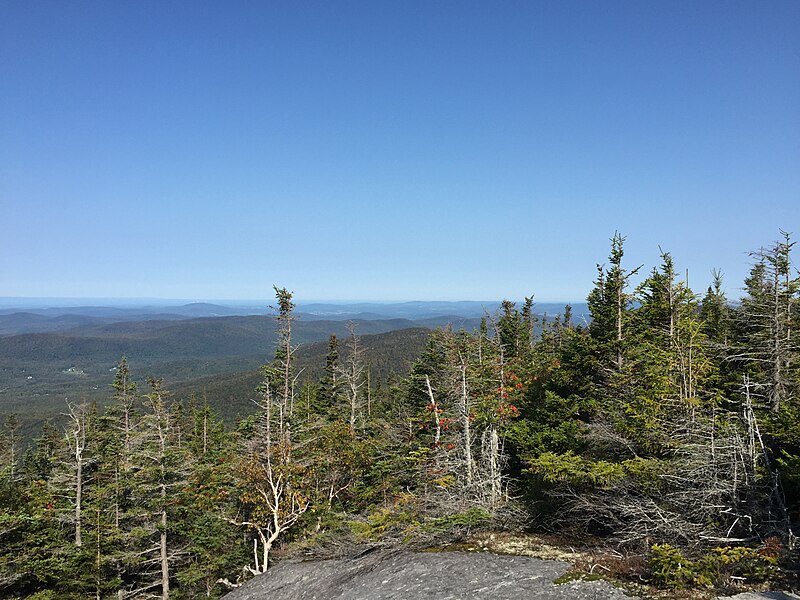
(212, 357)
(21, 320)
(49, 355)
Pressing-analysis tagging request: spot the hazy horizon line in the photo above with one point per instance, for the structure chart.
(10, 301)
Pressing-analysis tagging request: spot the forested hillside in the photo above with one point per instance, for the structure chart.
(667, 428)
(40, 371)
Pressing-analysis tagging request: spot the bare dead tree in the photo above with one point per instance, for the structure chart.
(466, 468)
(9, 446)
(353, 375)
(466, 416)
(271, 498)
(76, 441)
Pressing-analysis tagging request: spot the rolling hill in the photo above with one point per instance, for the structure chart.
(215, 356)
(49, 356)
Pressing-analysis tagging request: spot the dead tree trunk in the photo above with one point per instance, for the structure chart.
(76, 441)
(466, 422)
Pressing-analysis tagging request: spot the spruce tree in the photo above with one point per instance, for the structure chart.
(610, 302)
(159, 471)
(330, 384)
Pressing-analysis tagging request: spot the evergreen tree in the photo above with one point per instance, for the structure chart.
(769, 357)
(767, 322)
(104, 510)
(123, 407)
(159, 470)
(609, 302)
(206, 507)
(330, 384)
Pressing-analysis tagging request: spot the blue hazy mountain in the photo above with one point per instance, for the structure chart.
(59, 315)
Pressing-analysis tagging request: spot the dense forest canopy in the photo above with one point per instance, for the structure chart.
(667, 426)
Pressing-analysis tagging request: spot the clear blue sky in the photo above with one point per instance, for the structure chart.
(389, 150)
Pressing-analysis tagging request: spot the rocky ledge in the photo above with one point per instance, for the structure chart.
(404, 575)
(392, 574)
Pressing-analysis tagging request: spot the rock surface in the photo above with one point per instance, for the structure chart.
(403, 575)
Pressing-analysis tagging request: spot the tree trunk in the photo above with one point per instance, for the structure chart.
(469, 463)
(164, 555)
(78, 496)
(494, 465)
(435, 409)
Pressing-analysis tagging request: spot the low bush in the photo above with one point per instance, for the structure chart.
(671, 569)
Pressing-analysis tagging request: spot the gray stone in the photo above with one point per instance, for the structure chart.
(404, 575)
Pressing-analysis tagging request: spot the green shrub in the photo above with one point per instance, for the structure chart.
(670, 569)
(472, 517)
(747, 563)
(379, 523)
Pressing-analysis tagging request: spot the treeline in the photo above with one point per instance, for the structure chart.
(667, 426)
